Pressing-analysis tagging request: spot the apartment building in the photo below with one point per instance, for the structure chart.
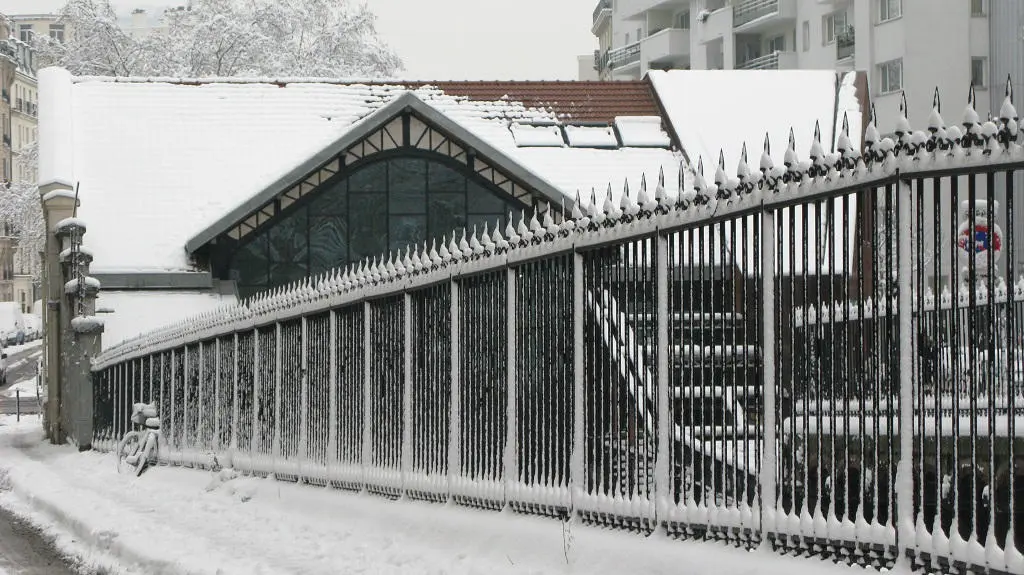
(24, 111)
(903, 45)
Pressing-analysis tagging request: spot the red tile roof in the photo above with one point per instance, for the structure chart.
(571, 101)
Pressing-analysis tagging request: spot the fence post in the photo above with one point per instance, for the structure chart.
(303, 400)
(406, 463)
(511, 447)
(215, 440)
(174, 404)
(904, 475)
(455, 423)
(577, 471)
(275, 449)
(332, 391)
(367, 415)
(235, 412)
(769, 447)
(255, 441)
(662, 471)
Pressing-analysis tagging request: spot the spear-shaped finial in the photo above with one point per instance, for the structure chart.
(766, 155)
(1007, 111)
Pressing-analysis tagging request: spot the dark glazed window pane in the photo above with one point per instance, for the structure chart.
(407, 230)
(368, 224)
(281, 274)
(370, 178)
(444, 179)
(249, 264)
(288, 240)
(479, 220)
(447, 213)
(482, 201)
(408, 186)
(329, 200)
(328, 243)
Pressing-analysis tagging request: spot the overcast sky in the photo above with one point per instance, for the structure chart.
(460, 39)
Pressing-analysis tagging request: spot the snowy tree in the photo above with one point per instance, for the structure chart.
(259, 38)
(97, 47)
(22, 210)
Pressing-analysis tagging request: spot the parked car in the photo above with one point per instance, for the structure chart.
(12, 324)
(33, 327)
(3, 366)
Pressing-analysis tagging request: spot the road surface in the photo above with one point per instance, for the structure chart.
(24, 551)
(22, 365)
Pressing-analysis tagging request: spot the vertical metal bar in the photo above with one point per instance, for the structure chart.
(304, 394)
(905, 483)
(768, 308)
(275, 450)
(367, 397)
(215, 443)
(455, 423)
(406, 453)
(255, 443)
(332, 392)
(577, 475)
(511, 449)
(662, 465)
(234, 397)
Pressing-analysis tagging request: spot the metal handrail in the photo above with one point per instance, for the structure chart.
(602, 5)
(625, 55)
(750, 10)
(767, 62)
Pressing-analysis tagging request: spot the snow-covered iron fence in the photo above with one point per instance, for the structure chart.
(824, 357)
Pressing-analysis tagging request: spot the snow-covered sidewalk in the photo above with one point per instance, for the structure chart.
(175, 520)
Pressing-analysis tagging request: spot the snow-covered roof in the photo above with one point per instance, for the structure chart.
(127, 314)
(720, 110)
(160, 161)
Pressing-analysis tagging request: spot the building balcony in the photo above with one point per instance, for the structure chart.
(754, 15)
(668, 47)
(773, 61)
(602, 15)
(624, 57)
(846, 44)
(637, 9)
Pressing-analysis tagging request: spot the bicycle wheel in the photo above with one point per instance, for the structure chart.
(128, 451)
(148, 454)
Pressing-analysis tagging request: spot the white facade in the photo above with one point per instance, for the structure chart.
(910, 46)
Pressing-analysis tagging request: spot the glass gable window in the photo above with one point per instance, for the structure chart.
(382, 206)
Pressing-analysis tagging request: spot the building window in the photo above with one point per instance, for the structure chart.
(639, 34)
(977, 7)
(25, 33)
(683, 21)
(806, 28)
(889, 9)
(57, 32)
(828, 29)
(978, 68)
(378, 207)
(890, 75)
(627, 39)
(777, 44)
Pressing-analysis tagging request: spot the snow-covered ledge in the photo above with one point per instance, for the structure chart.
(56, 141)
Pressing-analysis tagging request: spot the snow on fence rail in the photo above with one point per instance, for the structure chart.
(643, 363)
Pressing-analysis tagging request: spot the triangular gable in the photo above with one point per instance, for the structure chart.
(405, 122)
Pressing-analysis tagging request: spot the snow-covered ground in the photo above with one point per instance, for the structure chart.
(175, 520)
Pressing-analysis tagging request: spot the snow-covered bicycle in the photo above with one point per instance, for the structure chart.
(139, 448)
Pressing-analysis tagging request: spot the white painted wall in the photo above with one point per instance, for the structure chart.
(935, 38)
